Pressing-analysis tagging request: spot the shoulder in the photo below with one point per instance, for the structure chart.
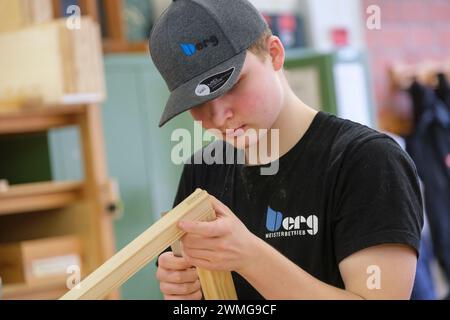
(354, 141)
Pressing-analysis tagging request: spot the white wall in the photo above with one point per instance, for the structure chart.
(324, 15)
(321, 16)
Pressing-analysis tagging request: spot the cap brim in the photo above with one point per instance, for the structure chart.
(184, 97)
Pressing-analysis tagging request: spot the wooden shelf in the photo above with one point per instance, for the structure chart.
(115, 46)
(39, 196)
(49, 291)
(81, 204)
(39, 118)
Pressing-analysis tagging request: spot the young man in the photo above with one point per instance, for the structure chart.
(341, 216)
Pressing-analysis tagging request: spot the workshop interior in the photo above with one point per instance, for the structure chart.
(85, 169)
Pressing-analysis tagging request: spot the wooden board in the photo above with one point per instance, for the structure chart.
(17, 14)
(146, 247)
(11, 15)
(52, 63)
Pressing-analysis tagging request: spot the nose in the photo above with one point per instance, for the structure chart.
(219, 111)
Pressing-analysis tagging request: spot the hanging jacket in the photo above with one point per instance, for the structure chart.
(443, 89)
(429, 147)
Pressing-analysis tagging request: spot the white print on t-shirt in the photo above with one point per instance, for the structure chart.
(290, 226)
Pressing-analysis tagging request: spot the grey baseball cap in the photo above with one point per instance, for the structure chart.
(199, 47)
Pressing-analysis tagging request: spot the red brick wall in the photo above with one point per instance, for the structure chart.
(411, 31)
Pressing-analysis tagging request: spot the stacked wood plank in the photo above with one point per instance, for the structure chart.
(52, 63)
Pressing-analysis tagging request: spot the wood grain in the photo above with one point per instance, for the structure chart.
(147, 246)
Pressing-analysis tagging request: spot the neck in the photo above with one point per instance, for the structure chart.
(293, 121)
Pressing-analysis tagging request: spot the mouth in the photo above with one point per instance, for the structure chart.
(237, 132)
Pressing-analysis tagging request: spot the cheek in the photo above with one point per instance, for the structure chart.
(261, 104)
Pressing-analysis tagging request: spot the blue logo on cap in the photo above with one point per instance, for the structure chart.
(188, 49)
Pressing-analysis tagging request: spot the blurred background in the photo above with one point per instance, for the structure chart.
(84, 168)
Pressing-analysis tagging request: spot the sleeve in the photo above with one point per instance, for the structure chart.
(378, 199)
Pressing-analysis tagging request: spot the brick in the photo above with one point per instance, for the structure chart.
(391, 11)
(443, 37)
(394, 35)
(415, 10)
(440, 11)
(421, 36)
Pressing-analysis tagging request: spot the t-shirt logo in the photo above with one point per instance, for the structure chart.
(290, 226)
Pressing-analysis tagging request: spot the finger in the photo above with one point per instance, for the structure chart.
(194, 241)
(199, 254)
(186, 276)
(201, 263)
(168, 261)
(180, 288)
(202, 228)
(220, 208)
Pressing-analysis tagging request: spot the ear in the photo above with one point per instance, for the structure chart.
(276, 51)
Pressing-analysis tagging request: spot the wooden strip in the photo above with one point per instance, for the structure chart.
(214, 283)
(146, 247)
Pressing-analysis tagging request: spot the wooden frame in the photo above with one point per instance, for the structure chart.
(216, 285)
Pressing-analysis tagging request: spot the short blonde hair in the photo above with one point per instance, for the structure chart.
(259, 47)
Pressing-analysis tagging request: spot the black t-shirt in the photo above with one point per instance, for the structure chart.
(342, 188)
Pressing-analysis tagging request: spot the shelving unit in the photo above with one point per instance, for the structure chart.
(50, 209)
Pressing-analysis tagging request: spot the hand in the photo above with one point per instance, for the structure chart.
(224, 244)
(178, 279)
